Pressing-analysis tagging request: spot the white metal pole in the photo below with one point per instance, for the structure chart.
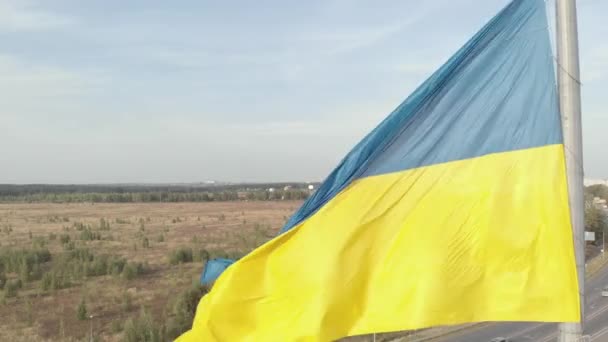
(604, 223)
(91, 324)
(570, 107)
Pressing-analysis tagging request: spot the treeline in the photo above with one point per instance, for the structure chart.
(28, 189)
(129, 197)
(596, 218)
(597, 190)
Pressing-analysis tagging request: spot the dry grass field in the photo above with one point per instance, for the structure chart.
(144, 233)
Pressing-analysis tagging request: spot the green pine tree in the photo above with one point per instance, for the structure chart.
(81, 313)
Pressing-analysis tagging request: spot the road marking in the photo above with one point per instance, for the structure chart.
(592, 316)
(456, 333)
(599, 333)
(598, 312)
(549, 338)
(521, 332)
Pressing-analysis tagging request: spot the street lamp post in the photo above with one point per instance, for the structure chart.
(91, 328)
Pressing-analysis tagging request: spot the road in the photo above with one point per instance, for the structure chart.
(596, 313)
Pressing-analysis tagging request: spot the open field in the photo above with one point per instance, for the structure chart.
(142, 234)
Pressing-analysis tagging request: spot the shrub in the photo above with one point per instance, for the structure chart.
(47, 280)
(132, 270)
(8, 229)
(79, 226)
(64, 238)
(184, 309)
(23, 261)
(78, 263)
(129, 272)
(42, 255)
(104, 224)
(127, 301)
(81, 312)
(145, 242)
(143, 328)
(12, 287)
(2, 280)
(116, 326)
(181, 255)
(38, 242)
(116, 266)
(88, 235)
(97, 267)
(201, 255)
(24, 272)
(81, 254)
(160, 238)
(69, 246)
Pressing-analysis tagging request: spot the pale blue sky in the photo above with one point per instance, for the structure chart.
(185, 91)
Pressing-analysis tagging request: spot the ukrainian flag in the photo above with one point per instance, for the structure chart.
(453, 210)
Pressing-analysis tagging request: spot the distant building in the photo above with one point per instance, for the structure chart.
(270, 189)
(589, 182)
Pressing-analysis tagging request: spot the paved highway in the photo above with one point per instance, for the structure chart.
(596, 321)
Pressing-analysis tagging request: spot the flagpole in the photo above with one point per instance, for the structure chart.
(568, 76)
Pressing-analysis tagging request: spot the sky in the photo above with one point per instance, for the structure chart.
(158, 91)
